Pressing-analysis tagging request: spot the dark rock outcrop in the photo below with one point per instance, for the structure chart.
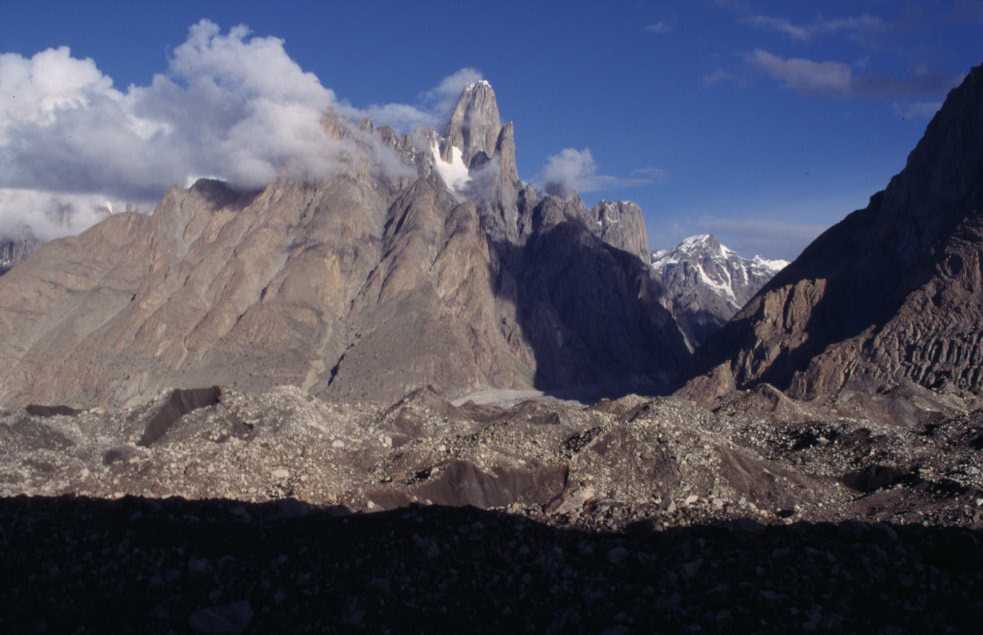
(226, 566)
(15, 250)
(175, 405)
(893, 294)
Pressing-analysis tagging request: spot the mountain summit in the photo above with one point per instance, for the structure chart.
(707, 283)
(475, 127)
(891, 295)
(424, 262)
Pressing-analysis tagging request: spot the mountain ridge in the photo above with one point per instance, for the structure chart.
(887, 297)
(707, 283)
(362, 286)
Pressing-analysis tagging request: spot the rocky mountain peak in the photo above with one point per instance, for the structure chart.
(707, 282)
(356, 286)
(622, 224)
(707, 244)
(475, 125)
(887, 297)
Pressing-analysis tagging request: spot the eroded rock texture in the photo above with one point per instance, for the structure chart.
(15, 250)
(892, 294)
(666, 461)
(362, 286)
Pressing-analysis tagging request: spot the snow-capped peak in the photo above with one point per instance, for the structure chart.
(702, 262)
(481, 82)
(693, 241)
(705, 245)
(771, 265)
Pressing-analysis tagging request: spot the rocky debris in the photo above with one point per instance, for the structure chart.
(123, 566)
(890, 295)
(228, 618)
(36, 410)
(176, 404)
(706, 283)
(252, 512)
(666, 461)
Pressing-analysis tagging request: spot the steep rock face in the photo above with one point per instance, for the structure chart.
(622, 224)
(578, 297)
(14, 250)
(707, 283)
(360, 286)
(891, 294)
(477, 152)
(475, 125)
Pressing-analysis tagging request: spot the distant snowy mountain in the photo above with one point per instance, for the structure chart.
(707, 283)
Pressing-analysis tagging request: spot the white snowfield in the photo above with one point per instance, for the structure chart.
(455, 173)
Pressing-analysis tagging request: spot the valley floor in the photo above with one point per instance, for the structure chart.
(216, 510)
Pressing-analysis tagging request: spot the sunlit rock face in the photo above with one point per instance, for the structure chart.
(423, 261)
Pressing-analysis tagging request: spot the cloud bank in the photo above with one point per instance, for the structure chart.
(432, 109)
(659, 28)
(853, 25)
(570, 171)
(230, 105)
(836, 78)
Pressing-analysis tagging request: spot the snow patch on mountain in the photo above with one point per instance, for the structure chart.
(771, 265)
(454, 173)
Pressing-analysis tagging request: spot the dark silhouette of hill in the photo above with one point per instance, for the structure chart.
(158, 566)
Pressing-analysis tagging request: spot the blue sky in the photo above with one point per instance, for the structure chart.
(761, 122)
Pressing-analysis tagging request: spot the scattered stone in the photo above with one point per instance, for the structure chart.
(226, 618)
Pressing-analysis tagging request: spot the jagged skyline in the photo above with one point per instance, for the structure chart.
(757, 122)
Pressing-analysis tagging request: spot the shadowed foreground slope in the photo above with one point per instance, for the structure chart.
(83, 565)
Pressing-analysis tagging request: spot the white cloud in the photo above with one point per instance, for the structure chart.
(649, 175)
(659, 28)
(432, 109)
(45, 216)
(836, 78)
(571, 170)
(805, 75)
(718, 76)
(779, 25)
(443, 97)
(853, 25)
(232, 105)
